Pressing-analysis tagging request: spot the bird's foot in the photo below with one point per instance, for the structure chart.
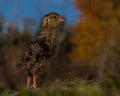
(33, 86)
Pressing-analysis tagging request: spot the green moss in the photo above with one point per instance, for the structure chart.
(76, 87)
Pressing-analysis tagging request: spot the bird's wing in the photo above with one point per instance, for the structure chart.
(30, 55)
(36, 51)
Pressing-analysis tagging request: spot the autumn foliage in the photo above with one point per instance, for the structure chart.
(96, 35)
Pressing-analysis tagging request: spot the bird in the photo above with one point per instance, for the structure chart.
(38, 53)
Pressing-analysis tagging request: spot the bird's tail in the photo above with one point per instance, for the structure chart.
(20, 66)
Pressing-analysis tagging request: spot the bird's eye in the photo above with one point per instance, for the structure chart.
(54, 17)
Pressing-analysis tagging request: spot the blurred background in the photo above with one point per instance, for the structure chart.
(90, 38)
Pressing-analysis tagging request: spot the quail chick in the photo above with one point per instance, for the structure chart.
(38, 54)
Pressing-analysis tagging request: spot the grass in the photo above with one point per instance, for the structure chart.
(76, 87)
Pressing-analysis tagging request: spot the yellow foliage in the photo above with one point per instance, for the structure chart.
(94, 31)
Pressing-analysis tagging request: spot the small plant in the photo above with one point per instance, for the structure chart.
(73, 87)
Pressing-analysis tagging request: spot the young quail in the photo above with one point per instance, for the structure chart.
(39, 53)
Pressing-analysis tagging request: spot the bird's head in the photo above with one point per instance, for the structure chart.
(52, 20)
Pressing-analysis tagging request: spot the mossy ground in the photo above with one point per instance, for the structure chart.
(75, 87)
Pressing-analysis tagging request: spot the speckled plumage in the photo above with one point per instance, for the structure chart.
(39, 53)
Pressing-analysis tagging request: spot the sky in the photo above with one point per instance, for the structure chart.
(17, 10)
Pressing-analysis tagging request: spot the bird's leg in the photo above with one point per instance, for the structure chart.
(35, 78)
(29, 81)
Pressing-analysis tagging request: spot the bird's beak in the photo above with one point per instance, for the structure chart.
(62, 20)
